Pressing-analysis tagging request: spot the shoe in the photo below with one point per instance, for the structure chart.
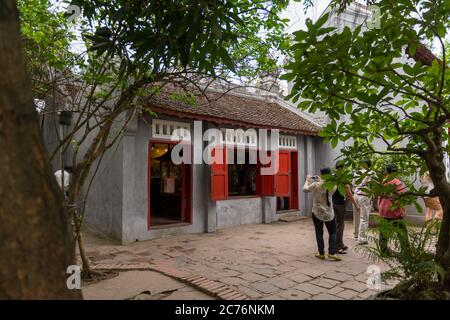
(361, 243)
(341, 251)
(320, 256)
(345, 248)
(334, 257)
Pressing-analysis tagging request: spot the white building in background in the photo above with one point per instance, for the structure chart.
(354, 15)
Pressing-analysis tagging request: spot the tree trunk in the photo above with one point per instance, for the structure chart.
(443, 247)
(436, 167)
(35, 234)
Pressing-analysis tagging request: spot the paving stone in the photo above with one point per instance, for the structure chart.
(232, 280)
(353, 271)
(284, 268)
(335, 290)
(193, 278)
(252, 277)
(240, 297)
(228, 273)
(293, 294)
(367, 294)
(212, 286)
(264, 287)
(347, 294)
(234, 296)
(208, 283)
(312, 272)
(224, 291)
(298, 264)
(229, 295)
(219, 289)
(282, 283)
(199, 281)
(298, 277)
(310, 288)
(325, 283)
(361, 277)
(271, 262)
(240, 268)
(354, 285)
(325, 296)
(249, 292)
(265, 272)
(273, 297)
(284, 258)
(338, 276)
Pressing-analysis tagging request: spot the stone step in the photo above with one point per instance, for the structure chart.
(292, 217)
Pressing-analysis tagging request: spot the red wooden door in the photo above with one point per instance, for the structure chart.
(283, 176)
(219, 174)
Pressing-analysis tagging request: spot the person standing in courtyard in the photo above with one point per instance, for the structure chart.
(322, 214)
(389, 212)
(364, 202)
(432, 204)
(339, 202)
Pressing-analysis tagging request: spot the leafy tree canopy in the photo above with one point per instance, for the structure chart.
(396, 106)
(209, 36)
(366, 74)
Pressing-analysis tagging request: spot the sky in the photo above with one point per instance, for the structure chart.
(295, 13)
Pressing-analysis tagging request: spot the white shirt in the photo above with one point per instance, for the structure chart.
(363, 183)
(321, 209)
(66, 178)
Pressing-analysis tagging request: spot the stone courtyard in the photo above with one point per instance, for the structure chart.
(265, 261)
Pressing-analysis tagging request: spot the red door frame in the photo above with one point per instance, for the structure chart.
(187, 186)
(294, 181)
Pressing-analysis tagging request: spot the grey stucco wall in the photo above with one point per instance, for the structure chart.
(135, 206)
(104, 202)
(235, 212)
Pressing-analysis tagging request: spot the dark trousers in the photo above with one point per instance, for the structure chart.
(384, 239)
(339, 213)
(331, 227)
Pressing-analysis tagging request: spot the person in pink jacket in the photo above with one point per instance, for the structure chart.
(393, 213)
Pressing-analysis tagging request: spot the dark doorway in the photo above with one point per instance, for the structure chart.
(283, 203)
(169, 187)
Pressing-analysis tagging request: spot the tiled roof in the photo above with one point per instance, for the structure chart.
(234, 109)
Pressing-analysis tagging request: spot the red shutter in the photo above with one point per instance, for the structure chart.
(283, 177)
(267, 181)
(219, 174)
